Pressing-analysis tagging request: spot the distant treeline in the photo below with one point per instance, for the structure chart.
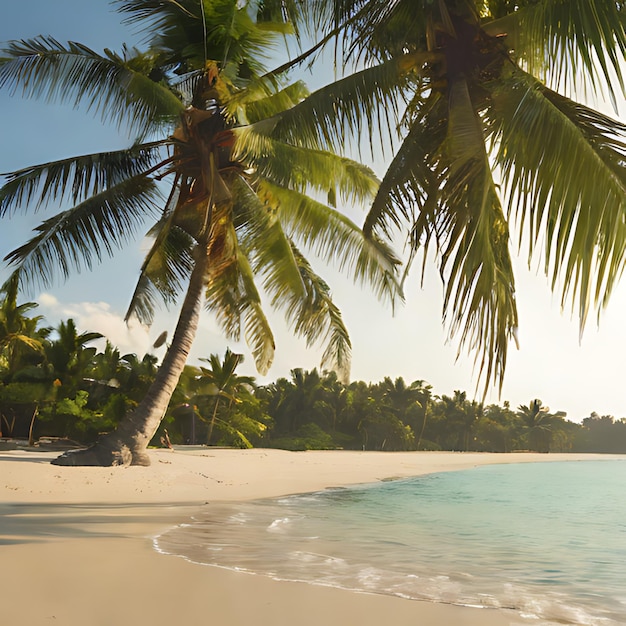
(53, 383)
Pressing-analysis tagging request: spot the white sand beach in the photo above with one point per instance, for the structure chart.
(76, 543)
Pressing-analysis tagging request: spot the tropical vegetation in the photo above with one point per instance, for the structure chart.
(67, 393)
(471, 97)
(232, 200)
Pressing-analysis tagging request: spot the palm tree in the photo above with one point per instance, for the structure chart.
(20, 336)
(68, 354)
(21, 351)
(107, 366)
(218, 397)
(486, 140)
(205, 114)
(461, 416)
(540, 425)
(332, 402)
(221, 382)
(409, 403)
(304, 404)
(498, 429)
(423, 403)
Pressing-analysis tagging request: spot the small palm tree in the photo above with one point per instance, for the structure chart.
(539, 424)
(205, 113)
(19, 333)
(68, 353)
(302, 404)
(461, 415)
(221, 382)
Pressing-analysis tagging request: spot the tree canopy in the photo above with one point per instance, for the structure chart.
(231, 200)
(486, 142)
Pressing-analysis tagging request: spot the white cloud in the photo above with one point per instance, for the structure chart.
(98, 317)
(47, 300)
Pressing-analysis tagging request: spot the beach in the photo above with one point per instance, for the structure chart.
(76, 544)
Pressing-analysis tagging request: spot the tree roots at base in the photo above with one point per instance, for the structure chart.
(104, 453)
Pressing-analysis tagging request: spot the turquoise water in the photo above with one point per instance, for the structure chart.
(547, 540)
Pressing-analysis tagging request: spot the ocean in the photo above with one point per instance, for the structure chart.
(547, 540)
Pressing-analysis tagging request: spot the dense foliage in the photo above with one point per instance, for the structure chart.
(53, 383)
(471, 97)
(233, 204)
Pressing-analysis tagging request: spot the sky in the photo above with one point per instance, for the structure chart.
(578, 376)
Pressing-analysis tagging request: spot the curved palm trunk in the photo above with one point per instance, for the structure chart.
(212, 422)
(128, 443)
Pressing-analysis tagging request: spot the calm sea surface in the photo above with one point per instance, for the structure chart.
(545, 539)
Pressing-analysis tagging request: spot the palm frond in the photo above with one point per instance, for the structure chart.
(304, 169)
(76, 178)
(366, 100)
(186, 84)
(572, 183)
(260, 100)
(479, 301)
(387, 29)
(264, 243)
(334, 237)
(568, 35)
(165, 271)
(355, 27)
(473, 238)
(465, 141)
(302, 296)
(156, 14)
(111, 86)
(317, 319)
(411, 177)
(25, 340)
(78, 236)
(192, 32)
(233, 297)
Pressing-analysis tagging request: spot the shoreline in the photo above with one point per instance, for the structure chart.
(76, 544)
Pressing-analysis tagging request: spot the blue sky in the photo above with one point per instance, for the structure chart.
(551, 364)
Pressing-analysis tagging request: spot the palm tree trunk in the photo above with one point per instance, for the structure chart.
(31, 439)
(128, 443)
(212, 422)
(419, 439)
